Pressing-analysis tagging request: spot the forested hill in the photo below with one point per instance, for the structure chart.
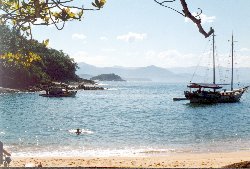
(26, 63)
(107, 77)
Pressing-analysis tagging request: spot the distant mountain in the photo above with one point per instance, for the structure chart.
(149, 73)
(178, 74)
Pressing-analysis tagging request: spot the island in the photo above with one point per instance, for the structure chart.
(107, 77)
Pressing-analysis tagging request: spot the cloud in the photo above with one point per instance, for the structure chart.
(204, 18)
(171, 58)
(80, 56)
(83, 56)
(165, 58)
(150, 53)
(104, 38)
(224, 60)
(242, 60)
(77, 36)
(174, 58)
(132, 37)
(108, 50)
(244, 50)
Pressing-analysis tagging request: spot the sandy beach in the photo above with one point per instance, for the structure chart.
(191, 160)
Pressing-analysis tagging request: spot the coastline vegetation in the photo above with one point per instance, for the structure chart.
(107, 77)
(25, 62)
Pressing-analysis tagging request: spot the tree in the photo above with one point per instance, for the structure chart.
(186, 13)
(22, 14)
(19, 70)
(17, 64)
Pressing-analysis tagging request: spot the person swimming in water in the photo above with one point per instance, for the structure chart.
(78, 131)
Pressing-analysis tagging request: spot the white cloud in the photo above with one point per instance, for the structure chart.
(108, 50)
(82, 56)
(204, 18)
(77, 36)
(166, 58)
(244, 50)
(175, 58)
(150, 54)
(170, 58)
(132, 37)
(242, 60)
(104, 38)
(169, 54)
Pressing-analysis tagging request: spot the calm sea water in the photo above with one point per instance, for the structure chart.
(128, 119)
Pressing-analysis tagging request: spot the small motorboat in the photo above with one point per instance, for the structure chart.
(59, 92)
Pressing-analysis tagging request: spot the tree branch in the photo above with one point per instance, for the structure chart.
(21, 13)
(195, 20)
(186, 13)
(163, 4)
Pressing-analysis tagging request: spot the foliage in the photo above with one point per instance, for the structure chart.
(26, 62)
(22, 14)
(14, 48)
(107, 77)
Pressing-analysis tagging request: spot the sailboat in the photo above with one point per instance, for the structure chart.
(205, 93)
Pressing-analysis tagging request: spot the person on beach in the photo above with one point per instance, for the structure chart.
(40, 165)
(3, 153)
(78, 131)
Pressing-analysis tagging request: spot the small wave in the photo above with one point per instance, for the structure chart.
(83, 131)
(102, 84)
(2, 133)
(158, 151)
(112, 89)
(83, 152)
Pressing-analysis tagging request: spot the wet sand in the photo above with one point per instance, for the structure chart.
(180, 160)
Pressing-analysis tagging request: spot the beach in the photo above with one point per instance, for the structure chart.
(178, 160)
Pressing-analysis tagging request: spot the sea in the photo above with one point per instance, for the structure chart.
(127, 119)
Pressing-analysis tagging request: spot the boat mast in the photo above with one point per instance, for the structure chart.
(213, 61)
(232, 78)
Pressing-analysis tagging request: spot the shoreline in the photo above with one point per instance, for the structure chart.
(4, 90)
(80, 86)
(179, 160)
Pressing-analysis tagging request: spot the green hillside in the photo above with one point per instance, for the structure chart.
(107, 77)
(25, 63)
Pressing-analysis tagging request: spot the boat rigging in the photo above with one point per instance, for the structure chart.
(201, 92)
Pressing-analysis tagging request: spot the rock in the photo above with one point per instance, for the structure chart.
(245, 164)
(87, 87)
(8, 90)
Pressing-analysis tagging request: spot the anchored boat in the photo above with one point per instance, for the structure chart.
(59, 92)
(205, 93)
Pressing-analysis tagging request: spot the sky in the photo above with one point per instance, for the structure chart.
(137, 33)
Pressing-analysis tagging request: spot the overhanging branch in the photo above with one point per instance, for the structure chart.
(186, 13)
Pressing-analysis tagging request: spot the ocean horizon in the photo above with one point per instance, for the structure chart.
(127, 119)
